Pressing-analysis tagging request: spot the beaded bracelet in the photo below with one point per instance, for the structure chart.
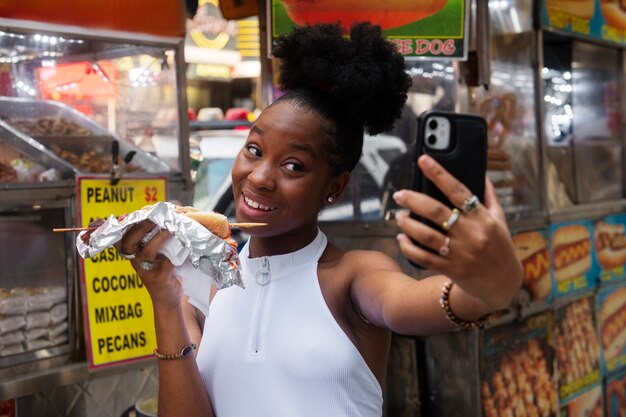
(186, 351)
(444, 302)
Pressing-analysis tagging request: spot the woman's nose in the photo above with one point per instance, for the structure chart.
(262, 176)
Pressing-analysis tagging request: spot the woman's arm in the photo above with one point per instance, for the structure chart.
(177, 324)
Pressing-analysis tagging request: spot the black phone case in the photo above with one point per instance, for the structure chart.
(465, 158)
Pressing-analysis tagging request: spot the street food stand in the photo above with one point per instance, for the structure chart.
(548, 78)
(91, 101)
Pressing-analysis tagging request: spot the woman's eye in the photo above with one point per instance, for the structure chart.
(293, 166)
(253, 150)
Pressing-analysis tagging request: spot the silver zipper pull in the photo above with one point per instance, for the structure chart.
(263, 275)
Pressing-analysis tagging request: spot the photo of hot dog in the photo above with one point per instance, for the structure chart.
(610, 243)
(612, 322)
(571, 251)
(532, 250)
(588, 404)
(582, 8)
(388, 14)
(614, 12)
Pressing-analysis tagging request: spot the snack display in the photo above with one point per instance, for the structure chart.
(518, 377)
(612, 323)
(577, 348)
(32, 318)
(582, 8)
(47, 126)
(532, 250)
(610, 243)
(571, 252)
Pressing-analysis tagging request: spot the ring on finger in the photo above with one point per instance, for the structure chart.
(470, 204)
(148, 236)
(129, 256)
(454, 217)
(444, 250)
(146, 265)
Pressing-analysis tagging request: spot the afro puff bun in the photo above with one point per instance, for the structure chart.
(363, 78)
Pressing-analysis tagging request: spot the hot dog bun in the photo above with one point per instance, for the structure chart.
(612, 319)
(532, 251)
(613, 14)
(610, 244)
(582, 8)
(216, 223)
(388, 14)
(571, 252)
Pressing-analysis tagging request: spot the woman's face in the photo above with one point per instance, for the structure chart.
(282, 176)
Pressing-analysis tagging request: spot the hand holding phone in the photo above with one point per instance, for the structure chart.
(458, 142)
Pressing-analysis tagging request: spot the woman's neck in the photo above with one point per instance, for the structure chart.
(280, 245)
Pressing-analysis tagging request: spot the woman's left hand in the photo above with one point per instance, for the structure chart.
(477, 252)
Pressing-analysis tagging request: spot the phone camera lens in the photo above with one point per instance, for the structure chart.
(431, 139)
(432, 124)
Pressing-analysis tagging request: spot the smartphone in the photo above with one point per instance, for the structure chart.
(458, 142)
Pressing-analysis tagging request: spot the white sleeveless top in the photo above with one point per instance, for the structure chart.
(275, 350)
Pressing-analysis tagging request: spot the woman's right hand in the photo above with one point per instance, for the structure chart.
(164, 288)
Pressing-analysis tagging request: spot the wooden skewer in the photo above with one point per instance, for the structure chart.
(80, 229)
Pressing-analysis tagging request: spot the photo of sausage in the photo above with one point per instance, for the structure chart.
(614, 12)
(610, 244)
(612, 322)
(532, 250)
(571, 252)
(582, 8)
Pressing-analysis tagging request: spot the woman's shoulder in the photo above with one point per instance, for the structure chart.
(357, 261)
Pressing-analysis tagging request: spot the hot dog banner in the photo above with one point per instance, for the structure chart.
(517, 368)
(610, 247)
(589, 403)
(615, 395)
(611, 321)
(119, 322)
(577, 348)
(595, 19)
(574, 268)
(531, 248)
(432, 29)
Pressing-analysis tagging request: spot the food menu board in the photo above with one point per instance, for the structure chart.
(615, 395)
(610, 247)
(433, 29)
(577, 348)
(611, 317)
(517, 372)
(596, 19)
(573, 268)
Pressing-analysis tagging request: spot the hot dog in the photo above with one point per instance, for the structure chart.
(582, 8)
(614, 13)
(571, 252)
(610, 244)
(612, 319)
(388, 14)
(532, 250)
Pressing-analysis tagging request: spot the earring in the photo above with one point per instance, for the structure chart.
(330, 199)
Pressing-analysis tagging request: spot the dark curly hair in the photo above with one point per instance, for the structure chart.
(359, 84)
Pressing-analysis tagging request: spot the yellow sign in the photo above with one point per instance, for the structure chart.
(119, 323)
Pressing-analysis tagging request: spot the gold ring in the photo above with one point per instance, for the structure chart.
(454, 217)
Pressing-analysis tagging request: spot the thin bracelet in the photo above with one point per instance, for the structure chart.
(186, 351)
(444, 302)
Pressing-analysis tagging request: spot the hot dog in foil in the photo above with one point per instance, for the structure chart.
(190, 243)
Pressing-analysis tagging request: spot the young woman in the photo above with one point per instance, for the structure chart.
(310, 333)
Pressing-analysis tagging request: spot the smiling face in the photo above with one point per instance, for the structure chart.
(282, 177)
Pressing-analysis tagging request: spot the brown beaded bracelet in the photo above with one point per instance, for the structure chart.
(444, 302)
(186, 351)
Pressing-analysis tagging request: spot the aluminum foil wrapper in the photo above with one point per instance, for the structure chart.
(190, 241)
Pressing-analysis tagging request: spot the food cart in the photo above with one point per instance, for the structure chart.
(96, 95)
(547, 76)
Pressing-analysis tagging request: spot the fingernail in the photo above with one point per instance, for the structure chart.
(397, 196)
(427, 161)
